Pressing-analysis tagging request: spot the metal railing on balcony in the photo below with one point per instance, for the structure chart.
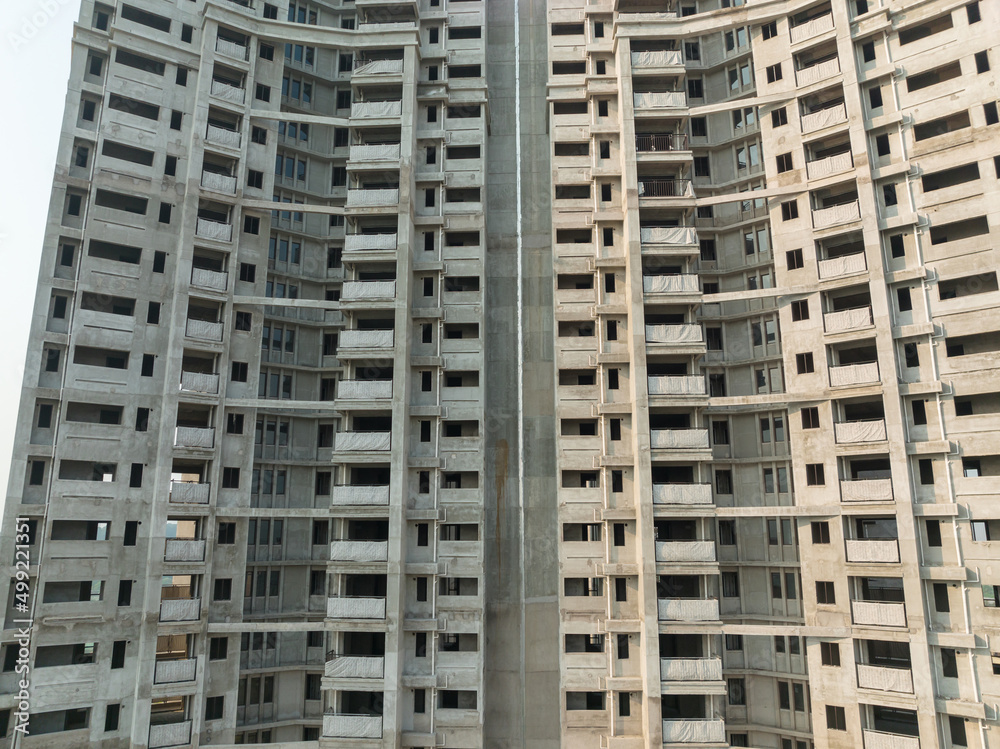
(844, 265)
(688, 609)
(690, 669)
(221, 136)
(665, 188)
(845, 320)
(817, 72)
(364, 390)
(657, 58)
(836, 214)
(204, 278)
(676, 385)
(659, 100)
(369, 242)
(685, 551)
(219, 182)
(341, 726)
(812, 27)
(189, 492)
(885, 678)
(669, 235)
(839, 162)
(200, 382)
(180, 610)
(854, 374)
(825, 117)
(358, 551)
(375, 152)
(232, 49)
(364, 66)
(681, 283)
(354, 666)
(678, 439)
(228, 92)
(879, 613)
(173, 671)
(867, 430)
(162, 735)
(884, 740)
(362, 441)
(872, 550)
(365, 197)
(376, 109)
(209, 229)
(866, 490)
(682, 494)
(349, 495)
(194, 437)
(683, 333)
(359, 291)
(355, 607)
(660, 142)
(184, 550)
(365, 339)
(694, 731)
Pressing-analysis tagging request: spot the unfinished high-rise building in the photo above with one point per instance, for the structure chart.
(599, 374)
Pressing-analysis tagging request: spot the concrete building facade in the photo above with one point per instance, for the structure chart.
(451, 373)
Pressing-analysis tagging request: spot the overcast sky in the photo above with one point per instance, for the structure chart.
(34, 55)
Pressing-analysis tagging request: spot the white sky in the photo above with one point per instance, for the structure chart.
(34, 55)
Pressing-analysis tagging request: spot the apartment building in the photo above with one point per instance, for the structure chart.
(611, 375)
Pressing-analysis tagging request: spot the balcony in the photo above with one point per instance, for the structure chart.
(364, 496)
(365, 390)
(169, 734)
(665, 188)
(883, 740)
(878, 613)
(189, 492)
(821, 118)
(659, 100)
(678, 284)
(840, 162)
(377, 67)
(682, 494)
(203, 278)
(204, 329)
(687, 609)
(217, 230)
(180, 610)
(378, 28)
(228, 92)
(877, 551)
(200, 382)
(365, 339)
(362, 441)
(378, 152)
(685, 551)
(232, 49)
(694, 731)
(194, 437)
(685, 333)
(221, 136)
(346, 607)
(184, 550)
(817, 72)
(218, 182)
(676, 385)
(678, 439)
(657, 58)
(366, 291)
(660, 142)
(690, 669)
(364, 197)
(854, 374)
(869, 430)
(856, 318)
(812, 27)
(359, 551)
(836, 214)
(844, 265)
(885, 679)
(171, 672)
(341, 726)
(668, 235)
(355, 666)
(368, 110)
(866, 490)
(369, 242)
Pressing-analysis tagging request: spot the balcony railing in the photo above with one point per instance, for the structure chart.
(218, 230)
(824, 118)
(169, 734)
(677, 284)
(219, 182)
(835, 267)
(812, 27)
(184, 550)
(668, 235)
(686, 333)
(364, 110)
(682, 494)
(362, 441)
(360, 291)
(352, 726)
(854, 374)
(232, 49)
(883, 740)
(659, 100)
(866, 490)
(209, 279)
(190, 492)
(676, 385)
(694, 731)
(370, 496)
(690, 669)
(836, 214)
(364, 390)
(194, 437)
(687, 609)
(377, 67)
(365, 339)
(368, 242)
(843, 320)
(359, 551)
(660, 142)
(343, 607)
(222, 136)
(869, 430)
(170, 672)
(657, 58)
(375, 152)
(180, 610)
(817, 72)
(375, 28)
(355, 666)
(879, 613)
(205, 329)
(678, 439)
(885, 679)
(200, 382)
(363, 197)
(665, 188)
(870, 550)
(228, 92)
(840, 162)
(685, 551)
